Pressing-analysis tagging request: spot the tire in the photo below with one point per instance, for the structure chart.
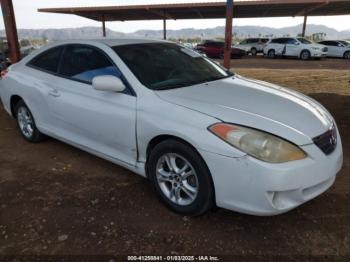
(253, 51)
(189, 192)
(346, 55)
(26, 123)
(271, 53)
(221, 56)
(305, 55)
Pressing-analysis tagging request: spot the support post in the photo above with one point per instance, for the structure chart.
(103, 26)
(304, 26)
(164, 26)
(228, 33)
(11, 30)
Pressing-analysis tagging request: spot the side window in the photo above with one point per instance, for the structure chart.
(277, 41)
(83, 63)
(219, 45)
(48, 60)
(244, 42)
(283, 41)
(291, 41)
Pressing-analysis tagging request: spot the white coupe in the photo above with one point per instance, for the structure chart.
(202, 135)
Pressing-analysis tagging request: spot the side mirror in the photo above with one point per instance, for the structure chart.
(297, 43)
(108, 83)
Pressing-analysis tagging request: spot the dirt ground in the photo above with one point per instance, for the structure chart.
(58, 200)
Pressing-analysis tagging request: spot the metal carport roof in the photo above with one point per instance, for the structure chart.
(242, 9)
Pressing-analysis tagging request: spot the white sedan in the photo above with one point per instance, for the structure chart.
(202, 135)
(338, 48)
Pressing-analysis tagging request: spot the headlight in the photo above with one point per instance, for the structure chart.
(259, 144)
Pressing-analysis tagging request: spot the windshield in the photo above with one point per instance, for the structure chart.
(161, 66)
(304, 41)
(345, 43)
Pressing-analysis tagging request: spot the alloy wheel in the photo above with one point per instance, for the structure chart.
(305, 55)
(177, 179)
(25, 122)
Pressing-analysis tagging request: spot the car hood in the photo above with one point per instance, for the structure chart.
(256, 104)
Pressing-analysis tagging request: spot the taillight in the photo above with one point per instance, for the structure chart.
(3, 73)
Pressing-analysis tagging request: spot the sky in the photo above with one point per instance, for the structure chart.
(28, 17)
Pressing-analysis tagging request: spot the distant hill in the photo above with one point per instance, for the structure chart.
(239, 31)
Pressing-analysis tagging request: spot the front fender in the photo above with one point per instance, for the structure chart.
(157, 117)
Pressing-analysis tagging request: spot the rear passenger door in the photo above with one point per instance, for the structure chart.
(335, 49)
(292, 47)
(279, 46)
(330, 46)
(102, 121)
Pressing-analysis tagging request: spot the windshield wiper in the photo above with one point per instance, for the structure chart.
(190, 83)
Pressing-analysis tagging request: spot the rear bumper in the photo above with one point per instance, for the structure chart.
(250, 186)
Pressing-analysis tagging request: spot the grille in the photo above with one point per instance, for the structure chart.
(327, 142)
(325, 49)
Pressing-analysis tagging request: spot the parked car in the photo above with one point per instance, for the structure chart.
(337, 48)
(215, 49)
(253, 45)
(202, 135)
(24, 44)
(294, 47)
(188, 45)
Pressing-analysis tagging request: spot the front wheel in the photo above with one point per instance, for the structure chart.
(271, 53)
(305, 55)
(253, 51)
(26, 123)
(180, 178)
(347, 55)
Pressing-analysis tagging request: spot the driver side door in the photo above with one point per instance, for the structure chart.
(102, 121)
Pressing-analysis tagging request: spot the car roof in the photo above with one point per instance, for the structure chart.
(112, 41)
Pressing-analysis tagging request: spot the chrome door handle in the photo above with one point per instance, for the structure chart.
(54, 93)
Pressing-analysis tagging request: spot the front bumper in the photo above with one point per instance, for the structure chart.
(250, 186)
(316, 53)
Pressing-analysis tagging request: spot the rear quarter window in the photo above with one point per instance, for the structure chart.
(48, 60)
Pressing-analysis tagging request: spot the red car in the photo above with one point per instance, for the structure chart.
(215, 49)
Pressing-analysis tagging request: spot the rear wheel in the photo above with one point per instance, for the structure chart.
(180, 178)
(26, 123)
(271, 53)
(305, 55)
(347, 55)
(253, 51)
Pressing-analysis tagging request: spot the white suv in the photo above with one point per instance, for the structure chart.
(294, 47)
(253, 45)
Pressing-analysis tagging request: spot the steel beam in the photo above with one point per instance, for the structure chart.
(11, 30)
(164, 29)
(228, 33)
(164, 24)
(304, 26)
(103, 26)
